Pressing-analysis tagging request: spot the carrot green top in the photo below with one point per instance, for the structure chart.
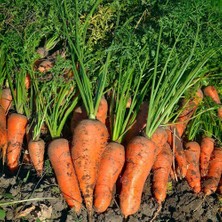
(170, 82)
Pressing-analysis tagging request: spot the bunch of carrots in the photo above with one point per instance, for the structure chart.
(119, 133)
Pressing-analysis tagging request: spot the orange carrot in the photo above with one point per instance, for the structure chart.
(139, 123)
(161, 172)
(88, 144)
(6, 99)
(102, 110)
(110, 168)
(188, 111)
(27, 81)
(16, 130)
(36, 150)
(214, 173)
(79, 114)
(211, 91)
(140, 156)
(159, 137)
(219, 112)
(206, 149)
(3, 134)
(192, 153)
(60, 158)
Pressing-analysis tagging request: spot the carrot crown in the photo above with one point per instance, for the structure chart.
(83, 63)
(170, 83)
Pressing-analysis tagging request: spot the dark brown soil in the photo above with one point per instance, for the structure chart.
(181, 203)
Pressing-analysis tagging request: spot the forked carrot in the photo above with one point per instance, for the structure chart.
(214, 173)
(60, 158)
(140, 156)
(88, 144)
(206, 149)
(6, 99)
(36, 150)
(3, 134)
(161, 171)
(110, 168)
(139, 123)
(192, 153)
(16, 124)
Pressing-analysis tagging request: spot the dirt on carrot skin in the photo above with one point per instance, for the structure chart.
(181, 203)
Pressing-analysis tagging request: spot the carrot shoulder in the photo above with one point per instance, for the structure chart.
(211, 91)
(16, 130)
(214, 173)
(3, 134)
(161, 172)
(206, 149)
(192, 153)
(102, 110)
(88, 144)
(140, 156)
(111, 165)
(60, 158)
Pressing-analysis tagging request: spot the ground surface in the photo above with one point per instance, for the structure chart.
(181, 203)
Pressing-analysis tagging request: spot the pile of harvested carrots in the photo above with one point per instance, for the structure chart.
(99, 134)
(92, 164)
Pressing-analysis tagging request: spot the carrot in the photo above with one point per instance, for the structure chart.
(159, 137)
(16, 130)
(60, 158)
(110, 168)
(214, 173)
(206, 149)
(88, 144)
(102, 110)
(36, 150)
(161, 172)
(219, 112)
(27, 81)
(139, 123)
(6, 99)
(140, 156)
(192, 153)
(189, 107)
(79, 114)
(3, 134)
(211, 92)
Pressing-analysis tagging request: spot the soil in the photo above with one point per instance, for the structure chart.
(181, 203)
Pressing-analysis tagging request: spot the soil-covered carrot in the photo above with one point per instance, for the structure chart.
(110, 167)
(60, 158)
(36, 150)
(161, 171)
(211, 91)
(88, 144)
(140, 156)
(79, 114)
(206, 149)
(214, 173)
(3, 134)
(6, 99)
(192, 153)
(160, 138)
(16, 125)
(139, 123)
